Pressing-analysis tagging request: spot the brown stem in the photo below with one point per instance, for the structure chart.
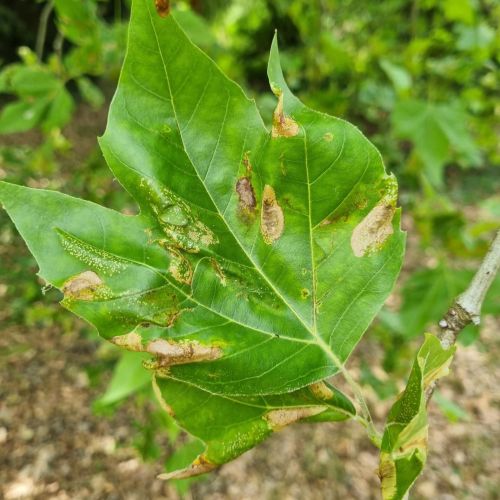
(466, 308)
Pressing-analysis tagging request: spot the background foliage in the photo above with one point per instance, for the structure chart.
(418, 77)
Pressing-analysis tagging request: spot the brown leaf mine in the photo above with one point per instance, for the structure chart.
(176, 219)
(168, 352)
(247, 200)
(278, 419)
(162, 7)
(272, 220)
(171, 353)
(82, 286)
(179, 267)
(200, 466)
(373, 230)
(131, 341)
(246, 162)
(321, 390)
(283, 126)
(219, 272)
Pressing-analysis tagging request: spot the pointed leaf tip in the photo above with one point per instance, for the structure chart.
(200, 466)
(274, 70)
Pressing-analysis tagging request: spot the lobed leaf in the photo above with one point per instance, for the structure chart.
(259, 257)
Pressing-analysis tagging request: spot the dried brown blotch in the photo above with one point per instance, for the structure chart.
(272, 221)
(321, 391)
(200, 466)
(373, 230)
(170, 353)
(131, 341)
(82, 286)
(162, 7)
(246, 195)
(283, 125)
(387, 475)
(278, 419)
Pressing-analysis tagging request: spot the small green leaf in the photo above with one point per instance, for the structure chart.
(21, 116)
(77, 20)
(404, 444)
(60, 110)
(34, 82)
(452, 411)
(128, 377)
(398, 75)
(90, 92)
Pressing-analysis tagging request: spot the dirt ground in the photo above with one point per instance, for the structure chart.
(52, 446)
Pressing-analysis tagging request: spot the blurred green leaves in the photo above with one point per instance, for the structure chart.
(43, 91)
(129, 376)
(438, 133)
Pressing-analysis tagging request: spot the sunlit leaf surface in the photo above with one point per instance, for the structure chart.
(259, 256)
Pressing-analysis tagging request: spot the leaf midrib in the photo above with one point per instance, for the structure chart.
(259, 270)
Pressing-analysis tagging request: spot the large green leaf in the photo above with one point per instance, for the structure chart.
(259, 257)
(404, 444)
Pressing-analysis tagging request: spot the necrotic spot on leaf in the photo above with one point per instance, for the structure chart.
(373, 230)
(200, 466)
(179, 267)
(246, 195)
(246, 162)
(277, 419)
(283, 126)
(179, 353)
(169, 352)
(131, 341)
(166, 407)
(272, 218)
(83, 286)
(321, 390)
(162, 7)
(219, 271)
(328, 137)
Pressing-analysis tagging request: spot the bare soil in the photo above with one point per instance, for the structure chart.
(53, 446)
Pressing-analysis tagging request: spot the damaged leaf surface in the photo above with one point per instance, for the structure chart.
(263, 248)
(404, 444)
(231, 425)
